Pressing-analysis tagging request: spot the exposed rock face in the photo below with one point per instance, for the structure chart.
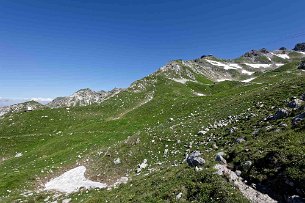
(26, 106)
(299, 47)
(82, 97)
(194, 159)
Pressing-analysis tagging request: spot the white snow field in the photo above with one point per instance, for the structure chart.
(72, 180)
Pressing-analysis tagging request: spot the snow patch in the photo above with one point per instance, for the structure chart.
(72, 180)
(258, 65)
(225, 66)
(247, 72)
(248, 80)
(223, 79)
(283, 56)
(181, 80)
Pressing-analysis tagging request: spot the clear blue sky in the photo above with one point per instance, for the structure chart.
(52, 48)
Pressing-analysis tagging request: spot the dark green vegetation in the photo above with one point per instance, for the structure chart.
(135, 125)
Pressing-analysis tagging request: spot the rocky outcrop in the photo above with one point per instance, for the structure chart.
(21, 107)
(83, 97)
(299, 47)
(250, 193)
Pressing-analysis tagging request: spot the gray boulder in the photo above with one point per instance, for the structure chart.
(295, 103)
(194, 159)
(219, 158)
(283, 125)
(281, 113)
(240, 140)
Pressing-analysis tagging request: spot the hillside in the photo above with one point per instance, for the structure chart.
(245, 116)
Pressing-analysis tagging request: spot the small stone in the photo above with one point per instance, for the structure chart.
(117, 161)
(240, 140)
(178, 196)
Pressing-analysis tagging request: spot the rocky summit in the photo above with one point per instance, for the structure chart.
(201, 130)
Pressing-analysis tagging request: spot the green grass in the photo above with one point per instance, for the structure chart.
(127, 127)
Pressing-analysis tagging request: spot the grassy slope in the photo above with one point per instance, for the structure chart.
(91, 136)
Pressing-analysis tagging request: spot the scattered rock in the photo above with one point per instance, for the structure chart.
(142, 166)
(284, 125)
(214, 146)
(19, 154)
(165, 152)
(281, 113)
(195, 159)
(202, 132)
(298, 119)
(117, 161)
(295, 103)
(240, 140)
(219, 158)
(269, 128)
(233, 130)
(178, 196)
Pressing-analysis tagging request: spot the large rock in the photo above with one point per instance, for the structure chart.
(295, 103)
(194, 159)
(281, 113)
(219, 158)
(299, 47)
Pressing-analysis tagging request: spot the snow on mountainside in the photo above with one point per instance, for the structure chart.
(83, 97)
(217, 70)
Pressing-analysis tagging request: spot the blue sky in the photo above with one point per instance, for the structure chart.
(54, 47)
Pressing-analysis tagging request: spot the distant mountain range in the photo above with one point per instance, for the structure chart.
(245, 68)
